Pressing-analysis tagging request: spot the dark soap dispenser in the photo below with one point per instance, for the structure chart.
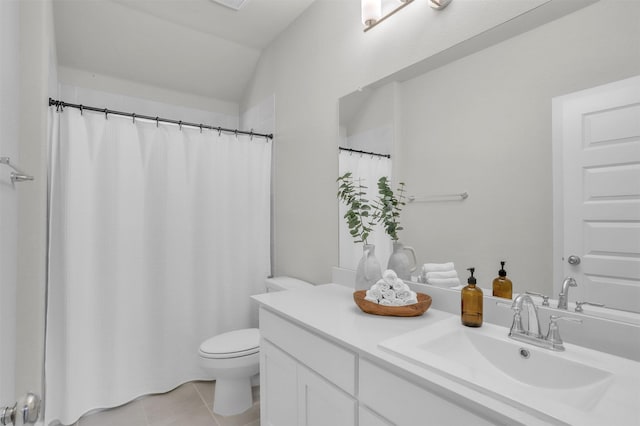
(471, 306)
(502, 286)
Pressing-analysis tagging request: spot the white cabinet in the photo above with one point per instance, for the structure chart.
(278, 387)
(308, 380)
(311, 384)
(293, 395)
(320, 403)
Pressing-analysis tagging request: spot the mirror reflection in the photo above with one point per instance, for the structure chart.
(482, 124)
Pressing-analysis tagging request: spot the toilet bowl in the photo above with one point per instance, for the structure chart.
(233, 358)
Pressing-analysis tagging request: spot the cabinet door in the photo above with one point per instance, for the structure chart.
(367, 417)
(321, 403)
(278, 387)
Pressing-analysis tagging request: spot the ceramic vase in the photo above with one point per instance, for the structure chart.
(402, 261)
(368, 272)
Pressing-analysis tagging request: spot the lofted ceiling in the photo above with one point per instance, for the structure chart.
(192, 46)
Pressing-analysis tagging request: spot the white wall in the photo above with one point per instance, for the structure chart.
(37, 72)
(9, 104)
(261, 117)
(105, 91)
(371, 126)
(324, 56)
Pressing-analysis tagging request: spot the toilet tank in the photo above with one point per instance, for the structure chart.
(285, 283)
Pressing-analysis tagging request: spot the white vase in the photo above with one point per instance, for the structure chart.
(369, 271)
(400, 262)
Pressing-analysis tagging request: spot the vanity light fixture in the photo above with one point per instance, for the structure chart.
(372, 10)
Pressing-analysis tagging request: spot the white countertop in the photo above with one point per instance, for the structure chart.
(329, 310)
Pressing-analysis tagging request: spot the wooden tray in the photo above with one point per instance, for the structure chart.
(424, 301)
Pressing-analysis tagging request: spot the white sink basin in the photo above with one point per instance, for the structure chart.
(565, 384)
(541, 368)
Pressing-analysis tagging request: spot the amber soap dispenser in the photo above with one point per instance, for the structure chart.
(471, 307)
(502, 286)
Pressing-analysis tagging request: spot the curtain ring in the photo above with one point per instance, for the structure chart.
(236, 132)
(133, 115)
(219, 131)
(251, 135)
(200, 127)
(81, 109)
(157, 121)
(106, 111)
(180, 125)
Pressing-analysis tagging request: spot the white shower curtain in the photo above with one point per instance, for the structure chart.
(370, 169)
(158, 236)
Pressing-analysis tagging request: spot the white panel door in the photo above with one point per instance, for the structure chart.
(279, 387)
(322, 403)
(598, 131)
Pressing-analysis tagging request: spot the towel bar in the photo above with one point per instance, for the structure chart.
(16, 175)
(438, 197)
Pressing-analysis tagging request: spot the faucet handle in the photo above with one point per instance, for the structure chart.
(554, 318)
(545, 299)
(553, 335)
(579, 305)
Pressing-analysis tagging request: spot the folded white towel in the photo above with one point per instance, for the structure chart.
(405, 294)
(399, 285)
(382, 285)
(438, 267)
(443, 274)
(388, 294)
(390, 273)
(444, 282)
(391, 291)
(374, 292)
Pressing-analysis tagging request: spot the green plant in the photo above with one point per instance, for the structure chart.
(358, 216)
(388, 207)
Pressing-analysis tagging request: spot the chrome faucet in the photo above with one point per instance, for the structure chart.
(563, 298)
(551, 341)
(516, 327)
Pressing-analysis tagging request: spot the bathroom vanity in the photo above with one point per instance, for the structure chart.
(325, 362)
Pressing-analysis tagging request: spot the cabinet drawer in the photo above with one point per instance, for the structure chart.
(332, 362)
(405, 403)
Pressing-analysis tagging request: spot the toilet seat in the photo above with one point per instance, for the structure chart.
(233, 344)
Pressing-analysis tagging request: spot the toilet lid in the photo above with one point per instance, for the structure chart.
(232, 344)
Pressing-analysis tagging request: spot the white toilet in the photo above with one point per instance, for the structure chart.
(234, 357)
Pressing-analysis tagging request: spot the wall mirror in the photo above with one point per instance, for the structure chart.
(478, 119)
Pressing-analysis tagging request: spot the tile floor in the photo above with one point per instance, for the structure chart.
(187, 405)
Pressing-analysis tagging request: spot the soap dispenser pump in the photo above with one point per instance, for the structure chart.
(471, 303)
(502, 286)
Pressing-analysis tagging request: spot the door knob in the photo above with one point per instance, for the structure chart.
(25, 412)
(574, 260)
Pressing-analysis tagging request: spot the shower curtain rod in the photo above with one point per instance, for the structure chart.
(62, 105)
(364, 152)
